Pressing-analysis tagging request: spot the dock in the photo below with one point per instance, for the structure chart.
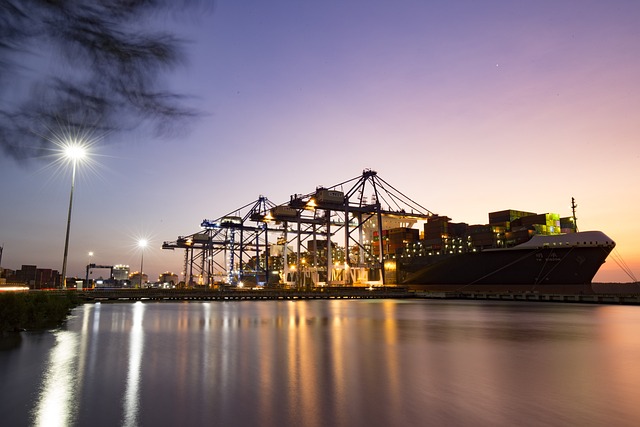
(97, 295)
(387, 292)
(623, 299)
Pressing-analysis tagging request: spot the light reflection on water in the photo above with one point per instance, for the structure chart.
(56, 402)
(344, 363)
(136, 345)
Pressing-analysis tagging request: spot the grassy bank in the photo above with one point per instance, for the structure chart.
(34, 310)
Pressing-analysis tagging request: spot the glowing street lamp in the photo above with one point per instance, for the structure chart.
(86, 279)
(142, 243)
(73, 152)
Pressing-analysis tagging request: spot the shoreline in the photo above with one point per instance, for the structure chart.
(42, 310)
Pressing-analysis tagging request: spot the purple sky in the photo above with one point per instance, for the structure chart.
(467, 107)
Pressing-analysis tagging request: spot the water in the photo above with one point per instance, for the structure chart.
(328, 363)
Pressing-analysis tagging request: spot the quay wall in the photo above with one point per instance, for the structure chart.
(237, 295)
(132, 295)
(624, 299)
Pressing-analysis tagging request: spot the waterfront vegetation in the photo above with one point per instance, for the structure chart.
(34, 310)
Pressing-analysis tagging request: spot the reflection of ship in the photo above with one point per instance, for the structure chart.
(516, 251)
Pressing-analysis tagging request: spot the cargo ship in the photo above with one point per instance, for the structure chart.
(516, 251)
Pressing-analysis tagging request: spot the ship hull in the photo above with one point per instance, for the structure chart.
(569, 269)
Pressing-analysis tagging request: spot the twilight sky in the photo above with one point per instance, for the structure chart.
(467, 107)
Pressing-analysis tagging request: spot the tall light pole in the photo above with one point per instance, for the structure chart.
(73, 152)
(86, 279)
(142, 243)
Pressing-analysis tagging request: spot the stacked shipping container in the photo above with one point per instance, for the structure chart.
(505, 229)
(395, 239)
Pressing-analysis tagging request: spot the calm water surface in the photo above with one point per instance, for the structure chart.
(328, 363)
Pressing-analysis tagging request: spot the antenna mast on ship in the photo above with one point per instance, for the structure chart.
(573, 209)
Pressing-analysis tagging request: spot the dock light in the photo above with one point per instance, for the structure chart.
(72, 151)
(75, 151)
(86, 279)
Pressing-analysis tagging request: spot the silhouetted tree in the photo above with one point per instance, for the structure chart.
(94, 63)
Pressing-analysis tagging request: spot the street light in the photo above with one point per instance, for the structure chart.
(142, 243)
(86, 280)
(73, 152)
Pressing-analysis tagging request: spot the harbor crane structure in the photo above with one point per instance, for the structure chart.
(331, 236)
(220, 251)
(93, 266)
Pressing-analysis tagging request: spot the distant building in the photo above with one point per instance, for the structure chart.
(35, 278)
(27, 275)
(46, 278)
(5, 272)
(134, 278)
(120, 272)
(168, 277)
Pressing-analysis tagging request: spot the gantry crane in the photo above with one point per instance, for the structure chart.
(232, 238)
(356, 211)
(362, 208)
